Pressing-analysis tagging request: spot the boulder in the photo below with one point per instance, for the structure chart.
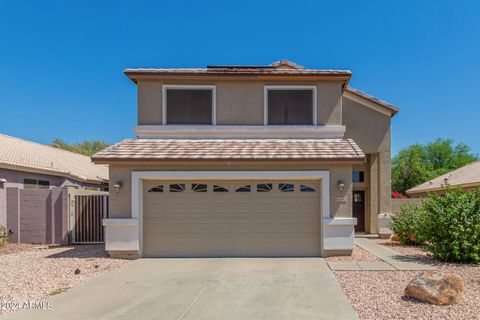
(436, 288)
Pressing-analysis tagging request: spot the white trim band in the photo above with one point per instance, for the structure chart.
(239, 132)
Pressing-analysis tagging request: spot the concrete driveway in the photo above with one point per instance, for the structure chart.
(257, 288)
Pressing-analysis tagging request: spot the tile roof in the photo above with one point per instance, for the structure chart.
(231, 149)
(466, 176)
(235, 70)
(364, 95)
(283, 67)
(19, 154)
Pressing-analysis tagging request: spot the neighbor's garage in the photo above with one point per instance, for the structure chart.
(231, 218)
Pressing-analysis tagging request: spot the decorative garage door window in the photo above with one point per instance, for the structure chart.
(245, 188)
(199, 187)
(286, 187)
(264, 187)
(257, 187)
(177, 187)
(217, 188)
(156, 189)
(306, 188)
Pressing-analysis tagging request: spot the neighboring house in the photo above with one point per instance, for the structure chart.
(273, 160)
(466, 177)
(29, 165)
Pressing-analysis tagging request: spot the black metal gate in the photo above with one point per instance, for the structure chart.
(89, 212)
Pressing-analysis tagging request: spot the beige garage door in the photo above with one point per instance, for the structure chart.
(231, 218)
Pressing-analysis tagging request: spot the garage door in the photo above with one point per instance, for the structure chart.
(231, 218)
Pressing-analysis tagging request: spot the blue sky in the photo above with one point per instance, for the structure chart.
(61, 62)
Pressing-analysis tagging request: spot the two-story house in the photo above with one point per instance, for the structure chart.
(274, 160)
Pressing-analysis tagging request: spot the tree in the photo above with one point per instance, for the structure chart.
(86, 147)
(417, 163)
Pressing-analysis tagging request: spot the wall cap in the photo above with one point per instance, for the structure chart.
(120, 221)
(340, 221)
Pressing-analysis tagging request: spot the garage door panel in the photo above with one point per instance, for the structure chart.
(202, 224)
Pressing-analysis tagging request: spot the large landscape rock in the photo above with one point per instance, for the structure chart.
(436, 288)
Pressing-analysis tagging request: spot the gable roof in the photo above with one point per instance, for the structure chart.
(231, 149)
(285, 64)
(466, 176)
(279, 68)
(352, 92)
(23, 155)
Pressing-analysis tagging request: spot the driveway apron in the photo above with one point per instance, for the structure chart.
(187, 289)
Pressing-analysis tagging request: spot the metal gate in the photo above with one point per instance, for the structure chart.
(88, 212)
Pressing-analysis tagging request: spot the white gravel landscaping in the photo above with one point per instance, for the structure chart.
(379, 294)
(32, 274)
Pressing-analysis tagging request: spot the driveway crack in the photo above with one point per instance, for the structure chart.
(215, 277)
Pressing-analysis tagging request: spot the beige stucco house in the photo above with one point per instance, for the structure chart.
(274, 160)
(466, 177)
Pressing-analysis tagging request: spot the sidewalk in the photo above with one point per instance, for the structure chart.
(392, 260)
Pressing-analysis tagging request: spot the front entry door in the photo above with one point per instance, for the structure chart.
(359, 210)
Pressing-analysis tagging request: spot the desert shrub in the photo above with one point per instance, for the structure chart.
(3, 235)
(453, 229)
(408, 225)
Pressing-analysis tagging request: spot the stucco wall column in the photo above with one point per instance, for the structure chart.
(385, 186)
(373, 160)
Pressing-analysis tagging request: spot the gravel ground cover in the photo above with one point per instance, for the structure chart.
(379, 294)
(14, 247)
(410, 251)
(358, 254)
(33, 274)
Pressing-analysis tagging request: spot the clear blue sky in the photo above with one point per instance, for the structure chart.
(61, 62)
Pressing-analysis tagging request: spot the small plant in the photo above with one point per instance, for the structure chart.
(3, 236)
(453, 229)
(408, 225)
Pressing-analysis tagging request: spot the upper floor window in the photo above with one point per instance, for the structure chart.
(290, 105)
(188, 104)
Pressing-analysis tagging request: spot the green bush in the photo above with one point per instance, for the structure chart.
(452, 225)
(408, 225)
(3, 236)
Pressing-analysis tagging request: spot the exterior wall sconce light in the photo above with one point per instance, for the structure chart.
(3, 180)
(341, 186)
(118, 186)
